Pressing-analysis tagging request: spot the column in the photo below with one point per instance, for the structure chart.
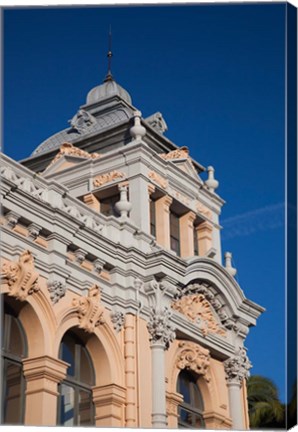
(109, 401)
(42, 376)
(162, 208)
(139, 198)
(236, 369)
(186, 234)
(204, 235)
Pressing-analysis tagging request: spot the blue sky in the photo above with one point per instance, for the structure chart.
(216, 72)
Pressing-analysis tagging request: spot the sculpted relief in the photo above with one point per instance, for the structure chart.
(198, 310)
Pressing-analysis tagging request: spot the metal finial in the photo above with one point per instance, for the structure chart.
(109, 55)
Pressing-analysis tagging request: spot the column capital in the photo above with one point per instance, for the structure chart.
(237, 367)
(205, 226)
(189, 216)
(161, 331)
(151, 188)
(166, 200)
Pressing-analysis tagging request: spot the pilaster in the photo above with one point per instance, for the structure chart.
(91, 201)
(130, 371)
(139, 198)
(204, 235)
(186, 234)
(109, 401)
(42, 376)
(162, 206)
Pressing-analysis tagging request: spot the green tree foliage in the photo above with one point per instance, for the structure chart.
(264, 406)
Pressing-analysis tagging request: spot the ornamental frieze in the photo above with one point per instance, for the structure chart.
(194, 357)
(89, 310)
(21, 277)
(107, 178)
(67, 149)
(198, 309)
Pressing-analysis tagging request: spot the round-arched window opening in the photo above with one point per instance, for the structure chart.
(75, 405)
(190, 411)
(14, 349)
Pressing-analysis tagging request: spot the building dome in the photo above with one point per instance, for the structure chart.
(107, 89)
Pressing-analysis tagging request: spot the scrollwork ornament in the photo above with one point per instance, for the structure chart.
(160, 328)
(237, 367)
(89, 309)
(195, 358)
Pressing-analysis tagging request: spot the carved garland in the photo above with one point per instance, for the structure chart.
(197, 309)
(195, 358)
(107, 178)
(21, 277)
(89, 309)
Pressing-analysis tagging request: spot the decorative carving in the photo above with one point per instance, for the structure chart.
(70, 150)
(89, 309)
(80, 255)
(21, 277)
(180, 153)
(204, 210)
(82, 120)
(160, 328)
(157, 122)
(195, 358)
(197, 309)
(237, 367)
(107, 178)
(117, 318)
(98, 265)
(57, 290)
(158, 179)
(86, 219)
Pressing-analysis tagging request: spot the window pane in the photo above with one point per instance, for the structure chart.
(85, 414)
(16, 341)
(184, 389)
(13, 393)
(152, 218)
(185, 416)
(68, 353)
(67, 404)
(86, 375)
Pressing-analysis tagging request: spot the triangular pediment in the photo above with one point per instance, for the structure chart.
(180, 157)
(68, 156)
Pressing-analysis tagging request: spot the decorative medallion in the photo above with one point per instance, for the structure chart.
(89, 309)
(107, 178)
(198, 309)
(117, 318)
(21, 277)
(195, 358)
(57, 290)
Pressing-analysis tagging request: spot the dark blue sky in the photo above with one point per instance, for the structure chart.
(216, 72)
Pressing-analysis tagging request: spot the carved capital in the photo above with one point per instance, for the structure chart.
(195, 358)
(237, 367)
(160, 328)
(21, 277)
(57, 290)
(89, 309)
(117, 318)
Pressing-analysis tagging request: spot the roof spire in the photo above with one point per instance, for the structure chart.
(109, 76)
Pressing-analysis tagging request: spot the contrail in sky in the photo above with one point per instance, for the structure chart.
(262, 219)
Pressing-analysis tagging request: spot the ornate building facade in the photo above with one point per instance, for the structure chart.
(118, 310)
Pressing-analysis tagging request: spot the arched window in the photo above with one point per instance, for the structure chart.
(75, 406)
(14, 349)
(191, 409)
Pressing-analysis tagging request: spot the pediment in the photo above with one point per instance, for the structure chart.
(68, 156)
(180, 157)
